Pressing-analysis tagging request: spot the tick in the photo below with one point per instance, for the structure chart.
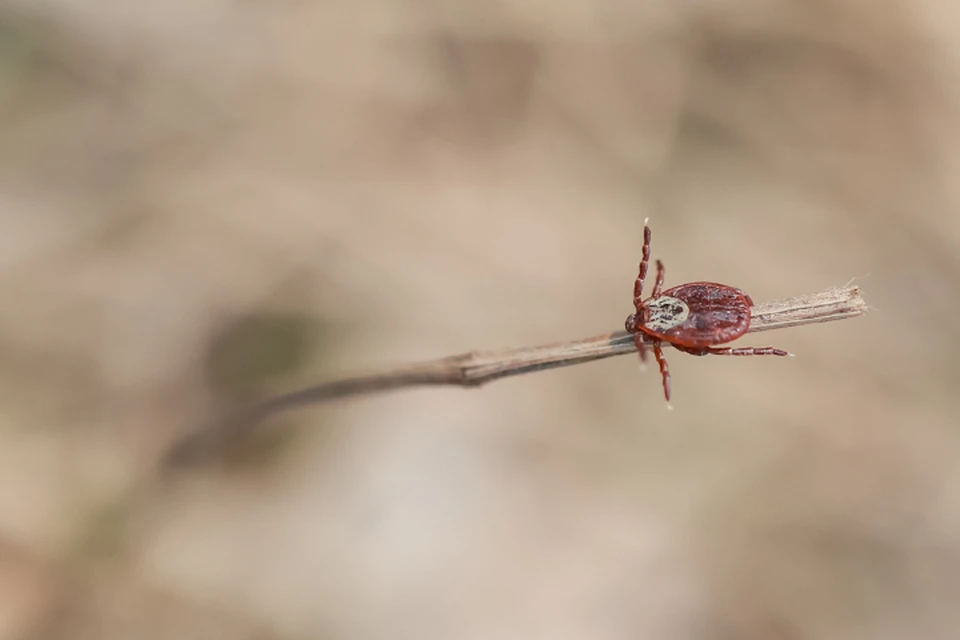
(693, 317)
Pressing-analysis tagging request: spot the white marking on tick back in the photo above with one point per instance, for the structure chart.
(666, 312)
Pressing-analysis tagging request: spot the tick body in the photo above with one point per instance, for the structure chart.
(694, 318)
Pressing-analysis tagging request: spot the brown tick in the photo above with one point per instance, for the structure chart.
(693, 317)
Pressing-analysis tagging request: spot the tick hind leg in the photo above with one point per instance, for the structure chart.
(733, 351)
(664, 369)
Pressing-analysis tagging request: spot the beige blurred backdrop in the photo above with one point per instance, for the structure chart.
(204, 202)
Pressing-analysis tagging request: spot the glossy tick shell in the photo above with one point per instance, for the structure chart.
(696, 314)
(693, 317)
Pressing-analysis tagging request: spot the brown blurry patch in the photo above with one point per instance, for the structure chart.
(486, 87)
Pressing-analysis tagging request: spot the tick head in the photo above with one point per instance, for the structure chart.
(664, 313)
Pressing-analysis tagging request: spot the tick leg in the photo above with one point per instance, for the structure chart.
(733, 351)
(644, 263)
(641, 344)
(664, 369)
(658, 285)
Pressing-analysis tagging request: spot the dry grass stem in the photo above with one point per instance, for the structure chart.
(479, 367)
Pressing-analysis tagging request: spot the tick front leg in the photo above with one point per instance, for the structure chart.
(733, 351)
(658, 285)
(664, 369)
(644, 263)
(641, 344)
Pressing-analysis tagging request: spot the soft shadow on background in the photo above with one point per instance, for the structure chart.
(206, 202)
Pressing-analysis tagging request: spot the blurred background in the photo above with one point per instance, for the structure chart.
(206, 202)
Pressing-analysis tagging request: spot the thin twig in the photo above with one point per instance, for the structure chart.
(479, 367)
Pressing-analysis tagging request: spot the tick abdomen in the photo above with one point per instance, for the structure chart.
(715, 314)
